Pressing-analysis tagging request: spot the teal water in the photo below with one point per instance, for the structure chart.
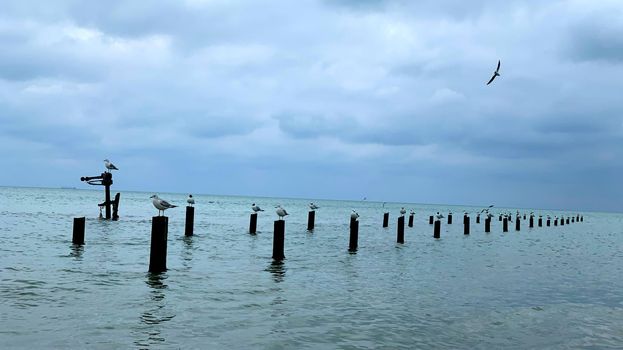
(546, 288)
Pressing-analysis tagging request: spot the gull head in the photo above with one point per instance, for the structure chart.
(154, 196)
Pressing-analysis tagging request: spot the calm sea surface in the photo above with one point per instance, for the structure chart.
(556, 287)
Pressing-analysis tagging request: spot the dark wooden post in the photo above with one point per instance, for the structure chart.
(548, 222)
(411, 220)
(450, 219)
(400, 230)
(437, 229)
(540, 221)
(505, 224)
(556, 222)
(278, 240)
(488, 225)
(524, 216)
(115, 207)
(158, 249)
(253, 224)
(562, 221)
(582, 218)
(573, 219)
(567, 220)
(531, 221)
(354, 235)
(477, 218)
(78, 234)
(500, 217)
(465, 225)
(386, 220)
(518, 223)
(107, 181)
(311, 217)
(430, 220)
(190, 220)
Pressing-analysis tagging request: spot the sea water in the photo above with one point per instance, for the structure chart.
(548, 287)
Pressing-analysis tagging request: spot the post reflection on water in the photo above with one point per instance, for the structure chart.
(187, 251)
(277, 270)
(76, 251)
(156, 312)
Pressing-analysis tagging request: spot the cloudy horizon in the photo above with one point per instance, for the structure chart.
(336, 99)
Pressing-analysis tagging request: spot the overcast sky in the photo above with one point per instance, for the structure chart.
(319, 98)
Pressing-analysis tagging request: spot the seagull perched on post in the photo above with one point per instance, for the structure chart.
(439, 216)
(281, 212)
(403, 211)
(495, 74)
(256, 208)
(190, 200)
(313, 206)
(354, 215)
(110, 166)
(161, 204)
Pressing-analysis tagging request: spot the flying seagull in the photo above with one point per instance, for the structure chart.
(109, 165)
(161, 204)
(495, 74)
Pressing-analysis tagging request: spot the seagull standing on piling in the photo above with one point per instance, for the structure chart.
(403, 211)
(281, 212)
(161, 204)
(190, 200)
(110, 166)
(495, 74)
(439, 216)
(354, 215)
(256, 208)
(313, 206)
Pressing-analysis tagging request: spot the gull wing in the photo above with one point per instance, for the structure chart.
(492, 78)
(498, 68)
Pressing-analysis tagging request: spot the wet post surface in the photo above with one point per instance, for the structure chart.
(278, 240)
(437, 229)
(465, 225)
(386, 220)
(253, 223)
(190, 221)
(78, 234)
(158, 248)
(354, 235)
(400, 230)
(311, 218)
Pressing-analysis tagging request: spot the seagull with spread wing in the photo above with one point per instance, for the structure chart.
(495, 74)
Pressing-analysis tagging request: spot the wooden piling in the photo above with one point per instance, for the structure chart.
(477, 218)
(540, 222)
(449, 219)
(465, 225)
(115, 207)
(437, 229)
(411, 220)
(386, 220)
(278, 240)
(505, 224)
(158, 249)
(78, 232)
(548, 222)
(311, 218)
(488, 225)
(531, 221)
(400, 230)
(190, 221)
(430, 220)
(253, 223)
(567, 220)
(354, 235)
(518, 223)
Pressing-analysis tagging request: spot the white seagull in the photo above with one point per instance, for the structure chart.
(256, 208)
(403, 211)
(354, 215)
(161, 204)
(313, 206)
(190, 200)
(495, 74)
(411, 212)
(110, 166)
(281, 212)
(439, 216)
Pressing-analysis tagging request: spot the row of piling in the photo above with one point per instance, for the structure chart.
(159, 231)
